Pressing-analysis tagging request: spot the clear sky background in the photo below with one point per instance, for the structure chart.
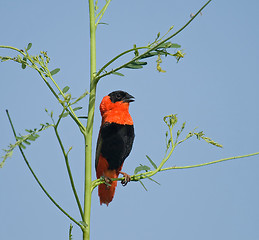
(215, 88)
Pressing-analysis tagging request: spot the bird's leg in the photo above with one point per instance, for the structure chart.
(127, 178)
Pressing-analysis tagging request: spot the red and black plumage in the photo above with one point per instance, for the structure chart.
(115, 141)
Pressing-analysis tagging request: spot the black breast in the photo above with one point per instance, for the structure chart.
(117, 143)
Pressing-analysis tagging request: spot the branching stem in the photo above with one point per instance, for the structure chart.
(37, 180)
(148, 51)
(101, 13)
(34, 66)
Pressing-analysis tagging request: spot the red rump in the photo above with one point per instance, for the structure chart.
(106, 192)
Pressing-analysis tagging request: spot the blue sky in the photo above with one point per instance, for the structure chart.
(215, 88)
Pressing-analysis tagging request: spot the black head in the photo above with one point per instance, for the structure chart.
(117, 96)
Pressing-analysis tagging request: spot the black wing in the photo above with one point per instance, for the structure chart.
(115, 143)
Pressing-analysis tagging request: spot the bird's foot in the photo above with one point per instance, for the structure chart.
(126, 180)
(107, 180)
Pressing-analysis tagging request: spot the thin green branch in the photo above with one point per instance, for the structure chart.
(71, 112)
(101, 13)
(209, 163)
(140, 176)
(150, 49)
(115, 58)
(13, 48)
(37, 180)
(68, 168)
(167, 157)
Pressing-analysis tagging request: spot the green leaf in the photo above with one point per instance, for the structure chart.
(175, 45)
(23, 63)
(3, 59)
(157, 36)
(65, 89)
(136, 52)
(153, 164)
(29, 46)
(136, 65)
(139, 63)
(81, 97)
(150, 54)
(132, 66)
(22, 146)
(118, 73)
(26, 142)
(77, 108)
(169, 45)
(141, 168)
(2, 164)
(64, 114)
(55, 71)
(153, 180)
(19, 58)
(210, 141)
(28, 130)
(33, 137)
(143, 185)
(7, 155)
(180, 131)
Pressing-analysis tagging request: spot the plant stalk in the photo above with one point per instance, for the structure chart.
(89, 128)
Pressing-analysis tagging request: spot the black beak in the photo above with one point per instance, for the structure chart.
(128, 98)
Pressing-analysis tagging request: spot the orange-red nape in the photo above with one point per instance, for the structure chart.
(105, 192)
(117, 112)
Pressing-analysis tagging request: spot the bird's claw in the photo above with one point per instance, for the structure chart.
(126, 180)
(107, 180)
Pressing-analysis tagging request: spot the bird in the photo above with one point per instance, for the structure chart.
(114, 142)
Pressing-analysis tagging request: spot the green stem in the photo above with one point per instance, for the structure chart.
(140, 176)
(101, 13)
(71, 112)
(69, 172)
(150, 173)
(90, 120)
(13, 48)
(37, 180)
(115, 58)
(167, 157)
(209, 163)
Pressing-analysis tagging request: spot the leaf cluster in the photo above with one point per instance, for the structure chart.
(23, 140)
(40, 63)
(160, 47)
(144, 171)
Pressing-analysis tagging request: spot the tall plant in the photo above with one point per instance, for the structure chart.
(158, 49)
